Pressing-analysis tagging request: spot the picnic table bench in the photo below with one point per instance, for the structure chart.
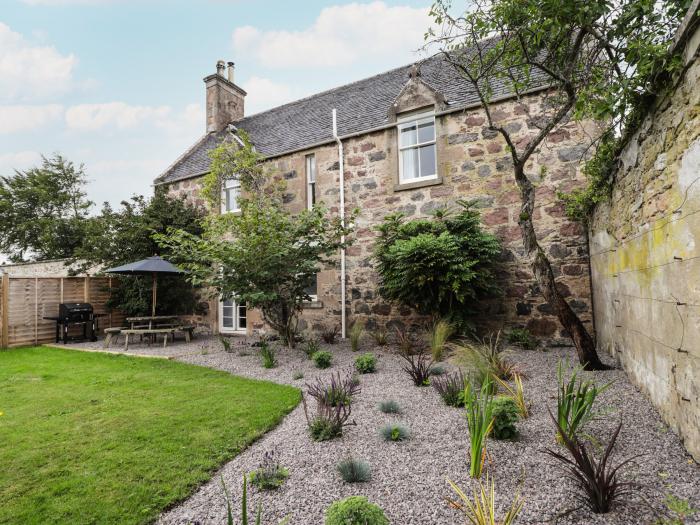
(112, 333)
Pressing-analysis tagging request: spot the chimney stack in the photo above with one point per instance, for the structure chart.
(225, 100)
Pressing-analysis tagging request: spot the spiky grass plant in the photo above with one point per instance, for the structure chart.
(329, 421)
(405, 340)
(516, 393)
(244, 507)
(486, 358)
(268, 355)
(330, 334)
(270, 474)
(451, 388)
(334, 391)
(311, 346)
(418, 366)
(355, 334)
(389, 407)
(395, 432)
(596, 479)
(354, 470)
(439, 333)
(575, 400)
(480, 422)
(226, 343)
(380, 337)
(480, 508)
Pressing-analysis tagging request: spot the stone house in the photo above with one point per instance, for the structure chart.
(411, 139)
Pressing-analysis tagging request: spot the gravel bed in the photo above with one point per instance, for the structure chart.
(409, 479)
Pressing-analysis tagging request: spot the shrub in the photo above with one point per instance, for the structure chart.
(354, 470)
(380, 337)
(597, 479)
(322, 359)
(355, 510)
(390, 407)
(366, 363)
(505, 416)
(486, 358)
(395, 432)
(298, 374)
(575, 400)
(451, 388)
(335, 391)
(226, 343)
(270, 474)
(517, 395)
(356, 331)
(267, 353)
(522, 337)
(417, 366)
(437, 337)
(440, 266)
(311, 347)
(328, 422)
(329, 335)
(480, 509)
(480, 423)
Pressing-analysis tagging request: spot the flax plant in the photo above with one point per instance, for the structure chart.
(480, 509)
(480, 423)
(516, 394)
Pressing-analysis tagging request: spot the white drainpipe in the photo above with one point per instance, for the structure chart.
(342, 221)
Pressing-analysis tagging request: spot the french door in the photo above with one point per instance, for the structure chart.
(232, 317)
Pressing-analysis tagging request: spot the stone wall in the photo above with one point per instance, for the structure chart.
(473, 164)
(645, 255)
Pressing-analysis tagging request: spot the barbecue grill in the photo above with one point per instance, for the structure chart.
(75, 314)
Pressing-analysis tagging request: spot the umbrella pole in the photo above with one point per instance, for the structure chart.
(155, 292)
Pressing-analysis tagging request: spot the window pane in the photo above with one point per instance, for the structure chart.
(409, 167)
(311, 168)
(408, 135)
(426, 131)
(241, 317)
(312, 289)
(232, 199)
(427, 161)
(227, 322)
(312, 194)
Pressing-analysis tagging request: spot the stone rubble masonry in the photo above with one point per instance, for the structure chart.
(645, 256)
(473, 164)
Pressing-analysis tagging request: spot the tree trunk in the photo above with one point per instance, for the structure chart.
(541, 267)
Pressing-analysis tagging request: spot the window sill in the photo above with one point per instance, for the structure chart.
(312, 305)
(417, 184)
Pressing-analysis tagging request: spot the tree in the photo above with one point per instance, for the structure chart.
(43, 210)
(440, 266)
(264, 256)
(113, 238)
(600, 60)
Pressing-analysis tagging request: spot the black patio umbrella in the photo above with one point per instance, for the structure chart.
(151, 265)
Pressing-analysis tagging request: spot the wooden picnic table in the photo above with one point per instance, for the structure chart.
(152, 321)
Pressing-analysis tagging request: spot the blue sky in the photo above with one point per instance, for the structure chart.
(117, 84)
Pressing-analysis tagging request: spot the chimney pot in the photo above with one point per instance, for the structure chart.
(230, 72)
(220, 66)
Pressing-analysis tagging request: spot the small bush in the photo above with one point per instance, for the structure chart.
(335, 391)
(354, 470)
(438, 370)
(505, 416)
(267, 353)
(451, 388)
(311, 346)
(356, 331)
(522, 337)
(270, 474)
(226, 343)
(329, 335)
(322, 359)
(298, 375)
(390, 407)
(380, 337)
(395, 432)
(479, 509)
(366, 363)
(437, 338)
(575, 400)
(486, 358)
(323, 429)
(355, 510)
(333, 406)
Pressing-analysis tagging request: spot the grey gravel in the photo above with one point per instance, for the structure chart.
(409, 478)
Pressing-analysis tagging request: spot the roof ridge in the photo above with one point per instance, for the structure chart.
(336, 88)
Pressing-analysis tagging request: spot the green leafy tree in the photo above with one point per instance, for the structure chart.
(441, 266)
(43, 210)
(601, 59)
(125, 235)
(265, 256)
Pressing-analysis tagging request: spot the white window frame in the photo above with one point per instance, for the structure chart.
(314, 297)
(414, 120)
(230, 184)
(236, 328)
(311, 176)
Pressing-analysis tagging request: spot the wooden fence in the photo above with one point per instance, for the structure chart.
(24, 301)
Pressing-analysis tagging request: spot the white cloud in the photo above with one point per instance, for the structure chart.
(20, 160)
(91, 117)
(340, 36)
(14, 119)
(28, 71)
(263, 93)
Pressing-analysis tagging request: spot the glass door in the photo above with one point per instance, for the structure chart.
(232, 317)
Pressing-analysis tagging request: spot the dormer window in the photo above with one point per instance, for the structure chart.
(417, 152)
(230, 196)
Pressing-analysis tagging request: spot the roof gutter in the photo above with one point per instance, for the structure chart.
(343, 320)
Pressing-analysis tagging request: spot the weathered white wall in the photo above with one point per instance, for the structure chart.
(645, 255)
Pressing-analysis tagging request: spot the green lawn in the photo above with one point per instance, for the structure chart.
(97, 438)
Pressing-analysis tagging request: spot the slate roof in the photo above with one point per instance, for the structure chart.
(361, 106)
